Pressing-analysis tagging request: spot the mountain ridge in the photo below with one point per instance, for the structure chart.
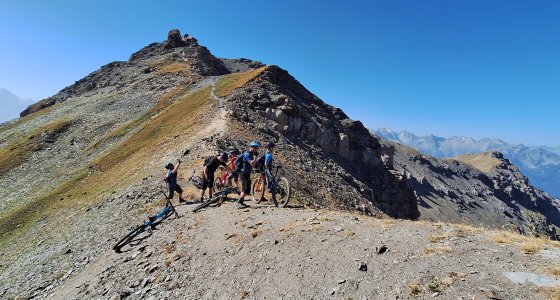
(101, 145)
(540, 163)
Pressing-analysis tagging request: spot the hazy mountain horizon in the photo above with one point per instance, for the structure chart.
(541, 164)
(11, 105)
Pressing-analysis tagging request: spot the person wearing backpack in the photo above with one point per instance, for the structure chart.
(211, 163)
(247, 162)
(171, 179)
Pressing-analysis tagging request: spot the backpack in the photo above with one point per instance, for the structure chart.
(208, 160)
(238, 163)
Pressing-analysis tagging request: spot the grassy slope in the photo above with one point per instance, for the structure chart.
(482, 161)
(113, 171)
(174, 115)
(19, 150)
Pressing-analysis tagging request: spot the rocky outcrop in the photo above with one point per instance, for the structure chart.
(334, 160)
(457, 191)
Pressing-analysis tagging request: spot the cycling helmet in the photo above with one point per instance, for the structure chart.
(223, 156)
(234, 151)
(169, 166)
(255, 144)
(270, 145)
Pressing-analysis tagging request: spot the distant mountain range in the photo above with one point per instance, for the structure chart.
(11, 105)
(541, 164)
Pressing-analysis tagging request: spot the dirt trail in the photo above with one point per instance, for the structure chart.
(270, 253)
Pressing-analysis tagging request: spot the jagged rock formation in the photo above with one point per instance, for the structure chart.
(485, 190)
(540, 164)
(108, 135)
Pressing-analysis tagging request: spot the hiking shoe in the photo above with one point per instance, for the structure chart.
(242, 205)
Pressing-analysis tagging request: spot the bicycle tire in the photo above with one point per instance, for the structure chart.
(257, 190)
(281, 189)
(127, 238)
(206, 204)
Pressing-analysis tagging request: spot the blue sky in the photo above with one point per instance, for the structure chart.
(448, 67)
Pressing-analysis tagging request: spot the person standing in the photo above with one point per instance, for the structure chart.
(171, 179)
(211, 163)
(249, 160)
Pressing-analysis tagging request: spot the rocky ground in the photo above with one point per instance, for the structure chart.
(300, 253)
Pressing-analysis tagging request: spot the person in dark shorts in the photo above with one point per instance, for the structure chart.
(249, 160)
(171, 179)
(211, 163)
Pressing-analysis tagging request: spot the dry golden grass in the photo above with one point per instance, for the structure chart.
(243, 294)
(526, 241)
(314, 227)
(173, 68)
(438, 250)
(415, 289)
(292, 225)
(468, 228)
(482, 161)
(234, 81)
(530, 247)
(438, 237)
(554, 270)
(502, 238)
(18, 151)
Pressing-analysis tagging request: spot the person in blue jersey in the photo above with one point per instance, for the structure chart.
(249, 159)
(268, 163)
(171, 179)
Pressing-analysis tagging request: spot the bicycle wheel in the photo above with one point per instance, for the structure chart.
(129, 237)
(281, 193)
(206, 204)
(258, 188)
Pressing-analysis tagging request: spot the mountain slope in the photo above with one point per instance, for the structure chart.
(540, 164)
(11, 105)
(95, 164)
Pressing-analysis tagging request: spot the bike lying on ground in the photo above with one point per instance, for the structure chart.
(217, 198)
(277, 185)
(137, 233)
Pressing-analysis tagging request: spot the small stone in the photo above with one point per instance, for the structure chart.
(68, 251)
(145, 282)
(363, 266)
(382, 249)
(435, 294)
(341, 281)
(338, 229)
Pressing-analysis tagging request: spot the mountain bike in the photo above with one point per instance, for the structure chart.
(277, 185)
(145, 230)
(217, 198)
(221, 181)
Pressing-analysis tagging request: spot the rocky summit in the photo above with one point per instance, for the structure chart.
(81, 168)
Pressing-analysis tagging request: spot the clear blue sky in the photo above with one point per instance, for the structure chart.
(448, 67)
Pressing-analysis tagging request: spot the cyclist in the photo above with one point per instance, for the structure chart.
(249, 160)
(171, 179)
(235, 173)
(211, 163)
(268, 163)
